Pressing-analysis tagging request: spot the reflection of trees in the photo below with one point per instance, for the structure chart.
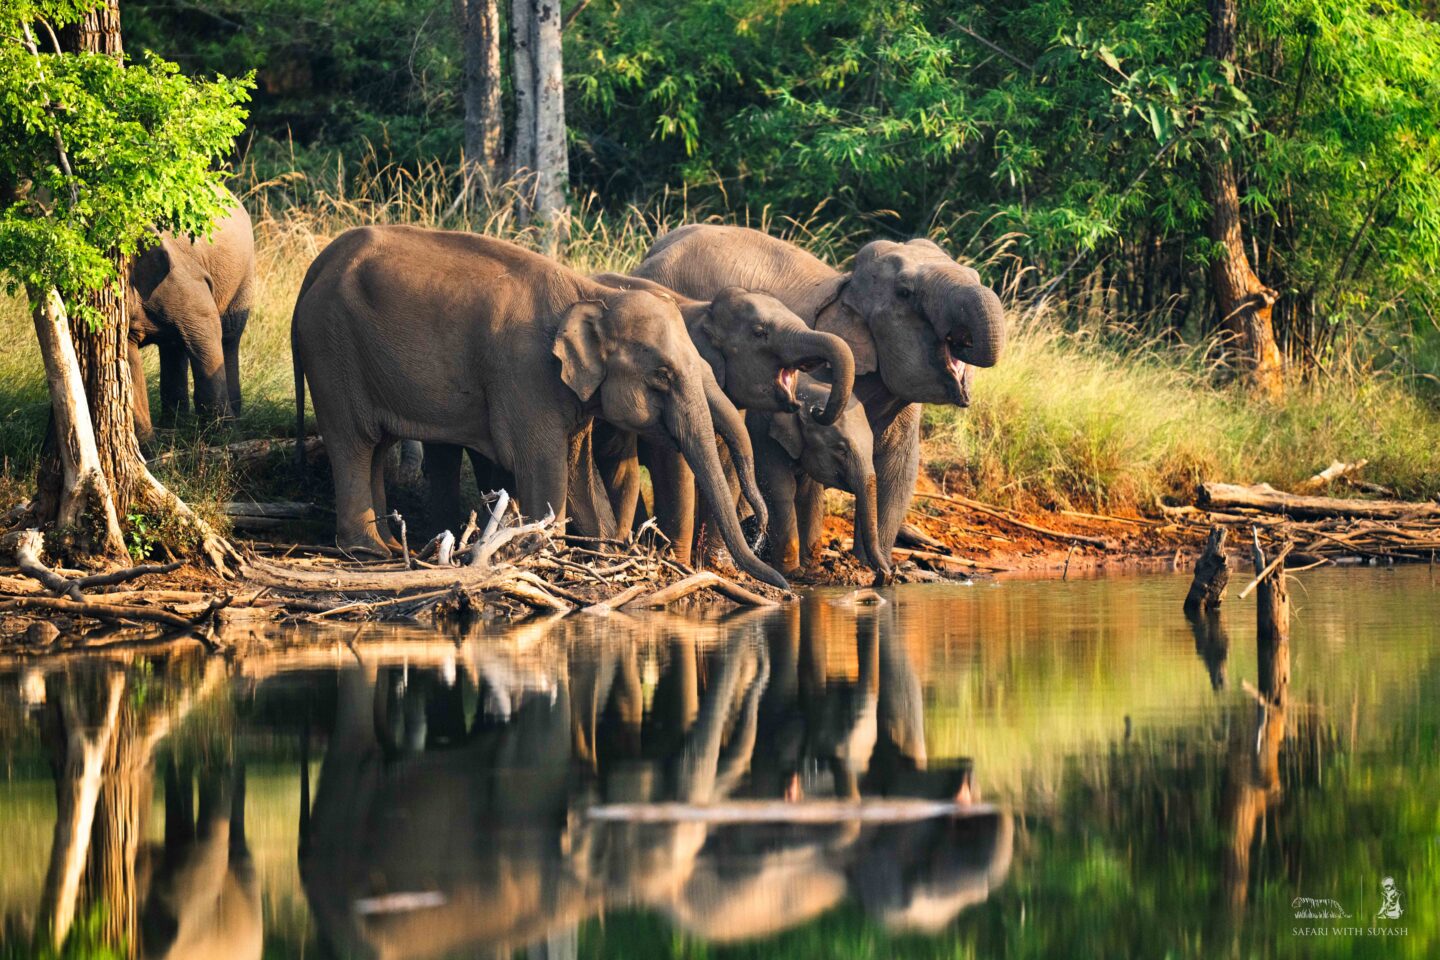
(102, 724)
(478, 840)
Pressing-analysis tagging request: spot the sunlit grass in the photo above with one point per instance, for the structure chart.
(1068, 418)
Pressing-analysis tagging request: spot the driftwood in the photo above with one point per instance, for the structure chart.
(116, 611)
(1267, 499)
(1212, 574)
(1336, 471)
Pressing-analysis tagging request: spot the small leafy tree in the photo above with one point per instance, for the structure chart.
(96, 153)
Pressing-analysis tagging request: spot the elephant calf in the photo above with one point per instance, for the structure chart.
(192, 299)
(795, 446)
(442, 337)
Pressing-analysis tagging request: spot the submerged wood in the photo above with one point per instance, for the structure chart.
(700, 581)
(1266, 498)
(1212, 575)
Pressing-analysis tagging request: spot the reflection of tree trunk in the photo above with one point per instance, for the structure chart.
(1254, 781)
(120, 831)
(77, 793)
(1212, 643)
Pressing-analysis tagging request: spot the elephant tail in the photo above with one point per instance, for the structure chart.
(299, 370)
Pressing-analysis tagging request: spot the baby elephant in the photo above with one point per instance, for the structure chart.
(793, 446)
(192, 298)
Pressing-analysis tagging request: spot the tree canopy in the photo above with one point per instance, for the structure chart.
(96, 153)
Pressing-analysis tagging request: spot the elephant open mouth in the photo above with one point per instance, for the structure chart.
(785, 382)
(956, 368)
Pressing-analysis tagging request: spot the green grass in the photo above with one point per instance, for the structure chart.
(1068, 419)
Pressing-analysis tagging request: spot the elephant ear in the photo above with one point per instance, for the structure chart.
(785, 430)
(150, 268)
(700, 334)
(577, 344)
(845, 322)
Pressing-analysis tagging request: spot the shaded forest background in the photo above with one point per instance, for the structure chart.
(1071, 138)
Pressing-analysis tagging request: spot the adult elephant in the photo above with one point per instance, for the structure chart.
(191, 297)
(446, 337)
(917, 322)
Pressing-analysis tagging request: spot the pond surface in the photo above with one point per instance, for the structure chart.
(1022, 769)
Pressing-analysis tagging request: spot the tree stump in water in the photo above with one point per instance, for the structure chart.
(1212, 575)
(1272, 625)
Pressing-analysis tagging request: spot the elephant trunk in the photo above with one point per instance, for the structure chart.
(835, 352)
(731, 428)
(867, 528)
(694, 433)
(969, 318)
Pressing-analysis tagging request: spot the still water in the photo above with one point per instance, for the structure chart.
(1022, 769)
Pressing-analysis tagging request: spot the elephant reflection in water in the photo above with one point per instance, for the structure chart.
(472, 834)
(203, 899)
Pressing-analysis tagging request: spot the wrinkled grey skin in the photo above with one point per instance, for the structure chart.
(192, 299)
(789, 446)
(756, 348)
(408, 333)
(917, 322)
(203, 897)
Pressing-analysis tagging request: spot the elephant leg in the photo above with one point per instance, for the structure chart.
(897, 465)
(442, 473)
(139, 395)
(179, 806)
(776, 476)
(590, 512)
(618, 461)
(542, 483)
(231, 350)
(377, 495)
(810, 506)
(174, 382)
(674, 490)
(351, 461)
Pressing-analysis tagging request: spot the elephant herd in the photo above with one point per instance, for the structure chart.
(561, 386)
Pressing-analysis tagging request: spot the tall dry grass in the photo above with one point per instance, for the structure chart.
(1080, 412)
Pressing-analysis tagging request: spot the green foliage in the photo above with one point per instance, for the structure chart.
(139, 139)
(140, 536)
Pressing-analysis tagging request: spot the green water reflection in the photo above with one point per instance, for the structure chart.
(407, 793)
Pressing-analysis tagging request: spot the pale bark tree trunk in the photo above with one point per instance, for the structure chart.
(1245, 303)
(522, 62)
(484, 119)
(552, 164)
(540, 160)
(84, 490)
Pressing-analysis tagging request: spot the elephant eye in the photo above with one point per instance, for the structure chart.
(758, 331)
(662, 378)
(903, 291)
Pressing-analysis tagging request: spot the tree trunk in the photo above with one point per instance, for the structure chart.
(522, 153)
(75, 491)
(552, 166)
(484, 119)
(1244, 302)
(102, 356)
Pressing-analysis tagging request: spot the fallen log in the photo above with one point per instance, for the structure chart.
(285, 510)
(1267, 499)
(115, 611)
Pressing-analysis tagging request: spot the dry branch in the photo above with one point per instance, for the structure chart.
(705, 578)
(1005, 517)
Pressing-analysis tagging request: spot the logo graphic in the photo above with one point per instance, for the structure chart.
(1310, 908)
(1390, 908)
